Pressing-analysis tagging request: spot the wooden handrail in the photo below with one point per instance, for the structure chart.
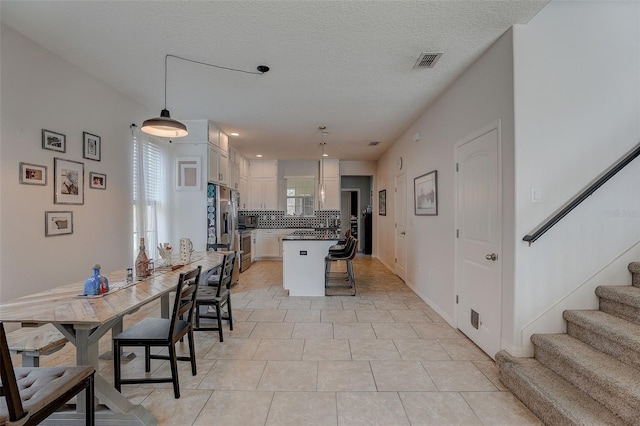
(582, 195)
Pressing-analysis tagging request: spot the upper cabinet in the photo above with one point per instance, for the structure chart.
(263, 188)
(206, 132)
(331, 177)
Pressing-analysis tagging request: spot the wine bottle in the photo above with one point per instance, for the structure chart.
(142, 262)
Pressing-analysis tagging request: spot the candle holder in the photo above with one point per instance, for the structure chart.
(165, 253)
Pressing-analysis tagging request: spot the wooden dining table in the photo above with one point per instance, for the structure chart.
(84, 320)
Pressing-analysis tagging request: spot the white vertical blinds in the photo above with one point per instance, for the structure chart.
(150, 209)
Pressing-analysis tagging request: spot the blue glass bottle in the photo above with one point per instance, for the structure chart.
(96, 284)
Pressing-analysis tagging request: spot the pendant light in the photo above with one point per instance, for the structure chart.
(321, 187)
(165, 126)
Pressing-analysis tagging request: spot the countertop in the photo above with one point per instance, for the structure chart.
(312, 235)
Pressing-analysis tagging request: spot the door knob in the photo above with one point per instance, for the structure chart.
(402, 233)
(492, 256)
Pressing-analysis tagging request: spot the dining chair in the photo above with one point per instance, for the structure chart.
(347, 255)
(163, 332)
(217, 293)
(31, 394)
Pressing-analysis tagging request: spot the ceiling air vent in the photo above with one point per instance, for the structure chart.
(427, 60)
(373, 143)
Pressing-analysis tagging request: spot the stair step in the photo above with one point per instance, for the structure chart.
(611, 382)
(550, 397)
(607, 333)
(621, 301)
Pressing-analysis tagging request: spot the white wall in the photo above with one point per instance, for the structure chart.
(42, 91)
(481, 96)
(577, 109)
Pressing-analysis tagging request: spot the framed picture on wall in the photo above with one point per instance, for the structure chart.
(425, 189)
(68, 181)
(58, 223)
(97, 180)
(91, 146)
(33, 174)
(54, 141)
(188, 173)
(382, 202)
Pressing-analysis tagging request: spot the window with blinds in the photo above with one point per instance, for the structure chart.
(300, 196)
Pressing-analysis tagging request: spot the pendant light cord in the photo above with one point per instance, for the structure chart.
(261, 70)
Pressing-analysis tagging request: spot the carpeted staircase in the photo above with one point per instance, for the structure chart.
(591, 375)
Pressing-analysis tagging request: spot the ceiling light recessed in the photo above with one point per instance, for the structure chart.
(325, 155)
(259, 155)
(234, 134)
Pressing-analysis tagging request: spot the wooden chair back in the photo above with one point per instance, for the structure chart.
(9, 386)
(226, 272)
(185, 301)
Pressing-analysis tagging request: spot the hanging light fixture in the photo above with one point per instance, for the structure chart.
(165, 126)
(321, 187)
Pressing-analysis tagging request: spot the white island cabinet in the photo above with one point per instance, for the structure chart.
(303, 264)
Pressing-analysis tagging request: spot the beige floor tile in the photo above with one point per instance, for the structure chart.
(435, 317)
(241, 314)
(373, 350)
(358, 304)
(391, 304)
(238, 303)
(313, 330)
(272, 330)
(435, 331)
(394, 330)
(408, 315)
(136, 395)
(179, 411)
(421, 350)
(490, 369)
(499, 408)
(332, 315)
(356, 330)
(463, 350)
(438, 408)
(279, 350)
(370, 408)
(185, 379)
(326, 350)
(303, 408)
(302, 315)
(233, 348)
(289, 376)
(396, 376)
(234, 375)
(294, 304)
(326, 304)
(265, 315)
(236, 408)
(345, 376)
(240, 329)
(377, 315)
(457, 376)
(263, 304)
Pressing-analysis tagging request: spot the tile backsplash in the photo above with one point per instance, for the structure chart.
(270, 219)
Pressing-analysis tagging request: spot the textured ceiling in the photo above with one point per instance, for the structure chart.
(347, 65)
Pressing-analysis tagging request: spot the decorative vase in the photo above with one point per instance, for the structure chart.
(96, 284)
(142, 262)
(186, 248)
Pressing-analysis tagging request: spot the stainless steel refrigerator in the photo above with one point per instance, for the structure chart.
(222, 216)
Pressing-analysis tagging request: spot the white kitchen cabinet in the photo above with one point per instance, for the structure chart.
(263, 194)
(269, 243)
(254, 245)
(244, 193)
(331, 185)
(218, 166)
(223, 142)
(263, 168)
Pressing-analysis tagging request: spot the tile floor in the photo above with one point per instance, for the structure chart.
(382, 357)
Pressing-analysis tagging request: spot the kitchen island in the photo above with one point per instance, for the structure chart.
(303, 262)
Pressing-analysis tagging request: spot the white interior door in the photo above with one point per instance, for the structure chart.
(401, 218)
(478, 261)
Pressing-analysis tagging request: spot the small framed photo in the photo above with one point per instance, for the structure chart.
(33, 174)
(382, 202)
(68, 181)
(426, 194)
(97, 180)
(91, 146)
(54, 141)
(188, 173)
(58, 223)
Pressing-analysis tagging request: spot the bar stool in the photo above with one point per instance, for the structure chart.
(347, 255)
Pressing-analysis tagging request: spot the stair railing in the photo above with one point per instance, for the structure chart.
(556, 216)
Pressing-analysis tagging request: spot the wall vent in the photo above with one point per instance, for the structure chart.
(427, 60)
(374, 143)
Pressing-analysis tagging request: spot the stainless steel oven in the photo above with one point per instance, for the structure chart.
(245, 246)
